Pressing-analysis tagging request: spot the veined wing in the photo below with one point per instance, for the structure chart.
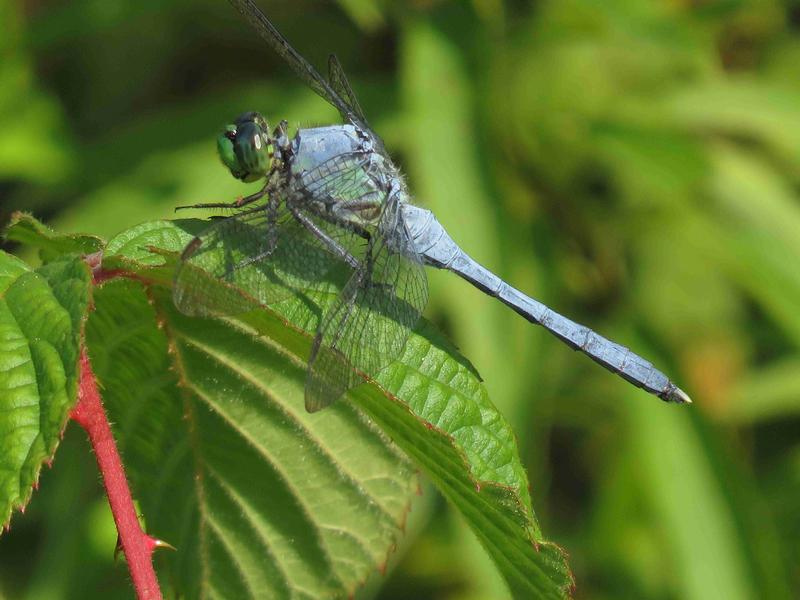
(301, 66)
(343, 178)
(256, 257)
(338, 81)
(368, 325)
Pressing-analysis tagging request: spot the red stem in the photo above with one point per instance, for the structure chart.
(136, 544)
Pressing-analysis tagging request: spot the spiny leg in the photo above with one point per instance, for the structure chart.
(363, 233)
(349, 225)
(364, 276)
(197, 241)
(238, 203)
(332, 244)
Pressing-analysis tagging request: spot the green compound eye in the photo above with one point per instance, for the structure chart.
(245, 147)
(226, 151)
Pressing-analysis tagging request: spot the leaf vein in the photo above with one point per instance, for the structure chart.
(275, 465)
(284, 407)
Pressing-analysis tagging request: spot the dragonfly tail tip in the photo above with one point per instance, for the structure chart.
(679, 396)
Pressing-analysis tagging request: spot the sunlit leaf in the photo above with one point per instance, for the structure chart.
(41, 319)
(27, 230)
(769, 393)
(260, 498)
(430, 402)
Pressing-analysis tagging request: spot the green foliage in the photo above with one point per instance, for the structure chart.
(632, 163)
(41, 318)
(28, 231)
(32, 139)
(272, 500)
(259, 498)
(430, 402)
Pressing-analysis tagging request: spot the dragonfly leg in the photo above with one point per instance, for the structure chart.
(346, 224)
(281, 137)
(370, 262)
(332, 244)
(364, 233)
(238, 203)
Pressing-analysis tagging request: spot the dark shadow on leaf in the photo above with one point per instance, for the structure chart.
(282, 270)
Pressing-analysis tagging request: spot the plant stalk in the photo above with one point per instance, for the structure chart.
(136, 544)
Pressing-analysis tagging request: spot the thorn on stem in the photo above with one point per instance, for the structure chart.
(156, 543)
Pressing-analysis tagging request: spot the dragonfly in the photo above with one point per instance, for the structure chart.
(332, 197)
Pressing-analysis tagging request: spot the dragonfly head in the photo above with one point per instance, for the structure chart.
(246, 147)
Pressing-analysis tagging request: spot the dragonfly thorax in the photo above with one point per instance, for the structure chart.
(314, 146)
(246, 147)
(338, 169)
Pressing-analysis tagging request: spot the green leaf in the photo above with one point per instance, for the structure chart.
(32, 140)
(367, 13)
(25, 229)
(41, 319)
(698, 499)
(260, 498)
(243, 381)
(743, 107)
(768, 393)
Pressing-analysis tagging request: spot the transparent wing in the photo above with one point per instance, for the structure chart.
(338, 81)
(343, 178)
(300, 65)
(257, 257)
(368, 325)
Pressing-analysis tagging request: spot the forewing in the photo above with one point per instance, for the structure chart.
(300, 65)
(257, 257)
(343, 178)
(338, 81)
(368, 325)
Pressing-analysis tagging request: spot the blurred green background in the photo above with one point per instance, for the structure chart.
(633, 163)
